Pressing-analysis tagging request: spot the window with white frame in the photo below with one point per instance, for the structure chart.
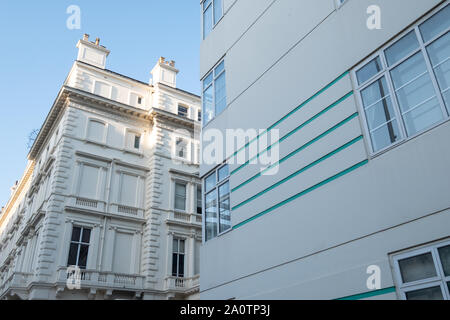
(183, 111)
(214, 93)
(96, 131)
(79, 247)
(180, 196)
(178, 256)
(133, 140)
(217, 203)
(212, 13)
(424, 274)
(405, 88)
(181, 148)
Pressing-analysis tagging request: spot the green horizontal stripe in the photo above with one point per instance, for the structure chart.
(309, 166)
(292, 112)
(334, 104)
(304, 192)
(322, 135)
(369, 294)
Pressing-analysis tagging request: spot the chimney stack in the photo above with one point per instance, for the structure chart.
(92, 52)
(165, 72)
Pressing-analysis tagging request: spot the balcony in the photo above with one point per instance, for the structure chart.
(108, 280)
(17, 280)
(184, 218)
(183, 285)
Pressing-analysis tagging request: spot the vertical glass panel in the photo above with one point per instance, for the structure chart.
(380, 114)
(219, 68)
(181, 249)
(175, 246)
(82, 260)
(436, 24)
(211, 215)
(210, 182)
(225, 216)
(76, 232)
(207, 21)
(208, 105)
(180, 196)
(220, 93)
(137, 142)
(369, 70)
(223, 173)
(417, 268)
(181, 266)
(402, 48)
(86, 236)
(217, 10)
(434, 293)
(199, 200)
(73, 252)
(174, 265)
(439, 53)
(444, 254)
(416, 94)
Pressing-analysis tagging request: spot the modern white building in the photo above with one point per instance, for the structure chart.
(109, 206)
(359, 93)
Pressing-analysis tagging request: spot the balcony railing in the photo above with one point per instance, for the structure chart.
(182, 284)
(177, 216)
(93, 278)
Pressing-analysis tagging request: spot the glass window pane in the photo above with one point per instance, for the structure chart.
(175, 265)
(180, 196)
(217, 10)
(223, 173)
(416, 94)
(86, 235)
(73, 252)
(402, 48)
(175, 246)
(444, 254)
(76, 232)
(225, 216)
(199, 200)
(207, 22)
(439, 53)
(181, 266)
(436, 24)
(210, 182)
(219, 68)
(208, 106)
(380, 114)
(369, 70)
(181, 249)
(206, 3)
(82, 260)
(417, 268)
(220, 93)
(434, 293)
(385, 135)
(211, 215)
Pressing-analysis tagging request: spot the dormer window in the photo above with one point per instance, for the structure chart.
(183, 111)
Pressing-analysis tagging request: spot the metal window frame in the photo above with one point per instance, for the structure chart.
(213, 86)
(386, 72)
(215, 189)
(79, 243)
(213, 23)
(439, 280)
(178, 254)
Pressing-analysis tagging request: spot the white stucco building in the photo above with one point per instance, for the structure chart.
(359, 92)
(111, 187)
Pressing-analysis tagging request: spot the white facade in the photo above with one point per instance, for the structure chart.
(363, 118)
(111, 187)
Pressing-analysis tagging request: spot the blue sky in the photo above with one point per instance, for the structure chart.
(37, 51)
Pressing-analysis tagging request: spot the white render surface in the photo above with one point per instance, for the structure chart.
(277, 55)
(84, 170)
